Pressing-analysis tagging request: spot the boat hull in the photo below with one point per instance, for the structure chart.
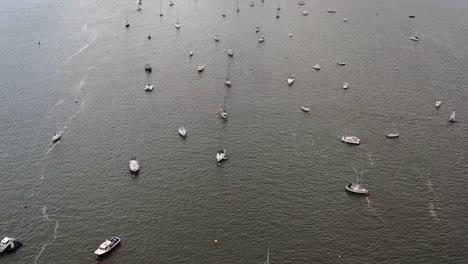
(355, 190)
(100, 252)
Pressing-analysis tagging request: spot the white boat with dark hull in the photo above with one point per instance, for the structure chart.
(257, 29)
(331, 11)
(438, 104)
(345, 19)
(230, 52)
(56, 137)
(345, 85)
(139, 9)
(171, 3)
(291, 80)
(356, 187)
(393, 135)
(305, 13)
(305, 109)
(221, 156)
(341, 63)
(260, 40)
(227, 82)
(415, 38)
(149, 88)
(148, 68)
(182, 132)
(133, 164)
(452, 117)
(316, 66)
(216, 38)
(107, 246)
(177, 25)
(351, 140)
(223, 113)
(190, 53)
(201, 68)
(301, 3)
(9, 244)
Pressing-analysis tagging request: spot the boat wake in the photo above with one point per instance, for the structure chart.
(94, 36)
(48, 243)
(44, 212)
(432, 211)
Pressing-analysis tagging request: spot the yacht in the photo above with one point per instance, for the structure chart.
(227, 82)
(216, 38)
(257, 29)
(341, 63)
(148, 68)
(345, 85)
(201, 68)
(177, 25)
(230, 52)
(107, 246)
(438, 103)
(393, 135)
(260, 40)
(190, 53)
(316, 66)
(355, 187)
(134, 166)
(301, 3)
(452, 117)
(9, 244)
(56, 137)
(305, 109)
(305, 13)
(149, 88)
(351, 140)
(331, 11)
(223, 113)
(415, 38)
(182, 132)
(221, 155)
(290, 80)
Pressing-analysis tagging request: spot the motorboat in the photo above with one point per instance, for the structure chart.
(201, 68)
(452, 117)
(345, 85)
(415, 38)
(190, 53)
(358, 188)
(171, 3)
(107, 246)
(331, 11)
(149, 36)
(260, 40)
(134, 166)
(221, 155)
(56, 137)
(305, 13)
(316, 66)
(139, 9)
(223, 113)
(345, 19)
(251, 3)
(290, 80)
(227, 82)
(182, 132)
(341, 63)
(9, 244)
(290, 35)
(177, 25)
(216, 38)
(351, 140)
(149, 88)
(148, 68)
(257, 29)
(438, 103)
(393, 135)
(301, 3)
(305, 109)
(230, 52)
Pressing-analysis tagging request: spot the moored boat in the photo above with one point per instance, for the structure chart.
(351, 140)
(415, 38)
(341, 63)
(230, 52)
(107, 246)
(260, 40)
(133, 164)
(223, 113)
(216, 38)
(358, 188)
(305, 109)
(227, 82)
(305, 13)
(190, 53)
(331, 11)
(182, 132)
(149, 88)
(438, 104)
(301, 3)
(345, 85)
(393, 135)
(56, 137)
(148, 68)
(9, 244)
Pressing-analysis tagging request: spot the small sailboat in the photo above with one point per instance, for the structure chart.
(190, 53)
(227, 82)
(452, 117)
(216, 38)
(238, 10)
(331, 11)
(438, 104)
(177, 25)
(201, 68)
(139, 2)
(393, 135)
(341, 63)
(133, 164)
(415, 38)
(305, 13)
(316, 66)
(356, 187)
(221, 155)
(149, 88)
(345, 85)
(126, 20)
(305, 109)
(351, 140)
(260, 40)
(290, 80)
(230, 52)
(182, 132)
(107, 246)
(257, 29)
(56, 137)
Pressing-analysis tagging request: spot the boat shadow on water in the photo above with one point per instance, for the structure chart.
(134, 174)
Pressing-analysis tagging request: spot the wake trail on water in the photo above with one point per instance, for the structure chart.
(48, 243)
(93, 38)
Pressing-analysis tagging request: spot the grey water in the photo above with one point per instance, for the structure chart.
(283, 186)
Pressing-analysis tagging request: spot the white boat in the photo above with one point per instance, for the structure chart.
(56, 137)
(107, 246)
(345, 19)
(182, 132)
(290, 35)
(190, 53)
(201, 68)
(331, 11)
(160, 11)
(177, 25)
(230, 52)
(9, 244)
(260, 40)
(251, 3)
(438, 103)
(290, 80)
(305, 109)
(341, 63)
(223, 113)
(149, 88)
(133, 164)
(301, 3)
(356, 187)
(415, 38)
(351, 140)
(345, 85)
(257, 29)
(316, 66)
(452, 117)
(227, 82)
(393, 135)
(216, 38)
(221, 155)
(305, 13)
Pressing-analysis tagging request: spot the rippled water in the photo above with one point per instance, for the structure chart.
(283, 186)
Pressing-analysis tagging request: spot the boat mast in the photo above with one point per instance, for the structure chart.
(160, 13)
